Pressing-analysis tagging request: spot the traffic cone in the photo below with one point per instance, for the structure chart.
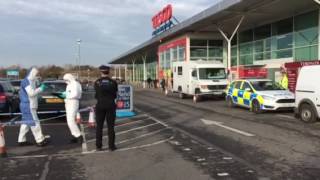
(78, 119)
(92, 119)
(3, 152)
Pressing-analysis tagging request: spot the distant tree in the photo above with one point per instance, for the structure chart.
(51, 71)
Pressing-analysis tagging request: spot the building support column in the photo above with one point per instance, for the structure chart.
(125, 72)
(229, 45)
(119, 68)
(144, 58)
(133, 71)
(114, 67)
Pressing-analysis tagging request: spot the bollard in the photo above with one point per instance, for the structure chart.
(3, 152)
(78, 119)
(92, 120)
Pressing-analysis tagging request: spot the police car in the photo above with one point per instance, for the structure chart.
(259, 95)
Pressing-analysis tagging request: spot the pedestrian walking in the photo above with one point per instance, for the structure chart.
(106, 94)
(155, 82)
(163, 84)
(71, 97)
(28, 107)
(149, 80)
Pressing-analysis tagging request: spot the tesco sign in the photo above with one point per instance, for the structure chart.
(162, 17)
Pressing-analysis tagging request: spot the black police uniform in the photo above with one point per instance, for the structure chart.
(106, 93)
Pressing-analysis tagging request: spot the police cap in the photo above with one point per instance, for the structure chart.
(104, 68)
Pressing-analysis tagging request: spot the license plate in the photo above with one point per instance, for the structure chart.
(54, 100)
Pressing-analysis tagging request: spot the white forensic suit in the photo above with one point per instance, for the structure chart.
(28, 106)
(72, 98)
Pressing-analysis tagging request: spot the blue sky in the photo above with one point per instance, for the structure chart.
(41, 32)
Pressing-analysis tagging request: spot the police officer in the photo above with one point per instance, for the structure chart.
(106, 93)
(284, 82)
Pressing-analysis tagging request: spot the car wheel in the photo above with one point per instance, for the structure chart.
(166, 92)
(229, 102)
(256, 108)
(196, 96)
(307, 113)
(181, 95)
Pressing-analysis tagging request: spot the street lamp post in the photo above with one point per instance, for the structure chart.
(88, 74)
(79, 58)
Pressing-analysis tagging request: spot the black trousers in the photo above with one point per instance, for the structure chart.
(103, 114)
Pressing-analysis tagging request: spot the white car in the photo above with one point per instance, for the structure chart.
(307, 105)
(259, 95)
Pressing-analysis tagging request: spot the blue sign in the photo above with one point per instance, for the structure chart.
(163, 28)
(125, 98)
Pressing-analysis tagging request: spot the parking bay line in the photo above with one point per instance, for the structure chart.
(84, 143)
(128, 123)
(124, 119)
(124, 132)
(143, 135)
(220, 124)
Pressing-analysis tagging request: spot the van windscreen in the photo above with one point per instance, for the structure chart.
(212, 73)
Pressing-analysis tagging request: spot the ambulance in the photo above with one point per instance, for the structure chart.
(199, 78)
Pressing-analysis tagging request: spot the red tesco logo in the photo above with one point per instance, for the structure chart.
(162, 17)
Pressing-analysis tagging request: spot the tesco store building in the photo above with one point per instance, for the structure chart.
(254, 39)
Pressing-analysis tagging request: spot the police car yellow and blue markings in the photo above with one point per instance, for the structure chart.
(244, 98)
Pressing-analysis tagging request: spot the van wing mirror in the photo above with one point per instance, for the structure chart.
(248, 89)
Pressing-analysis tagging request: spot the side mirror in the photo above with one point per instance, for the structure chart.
(248, 89)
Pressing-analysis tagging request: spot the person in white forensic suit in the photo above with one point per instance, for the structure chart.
(72, 96)
(28, 106)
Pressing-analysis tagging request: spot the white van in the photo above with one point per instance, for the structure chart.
(199, 78)
(307, 104)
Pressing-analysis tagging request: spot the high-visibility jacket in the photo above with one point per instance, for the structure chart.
(284, 82)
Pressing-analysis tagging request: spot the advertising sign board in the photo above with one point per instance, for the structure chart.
(125, 98)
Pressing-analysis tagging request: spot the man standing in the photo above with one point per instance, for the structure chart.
(28, 106)
(149, 80)
(72, 95)
(106, 93)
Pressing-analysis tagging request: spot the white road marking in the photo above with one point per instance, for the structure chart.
(143, 135)
(285, 116)
(187, 149)
(125, 124)
(133, 129)
(132, 148)
(127, 131)
(227, 158)
(84, 143)
(155, 119)
(124, 119)
(31, 156)
(220, 124)
(85, 151)
(54, 124)
(46, 169)
(91, 152)
(223, 174)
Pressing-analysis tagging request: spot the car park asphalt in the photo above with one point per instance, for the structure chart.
(172, 138)
(277, 144)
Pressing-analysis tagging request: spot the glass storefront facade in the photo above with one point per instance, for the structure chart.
(206, 50)
(295, 37)
(170, 55)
